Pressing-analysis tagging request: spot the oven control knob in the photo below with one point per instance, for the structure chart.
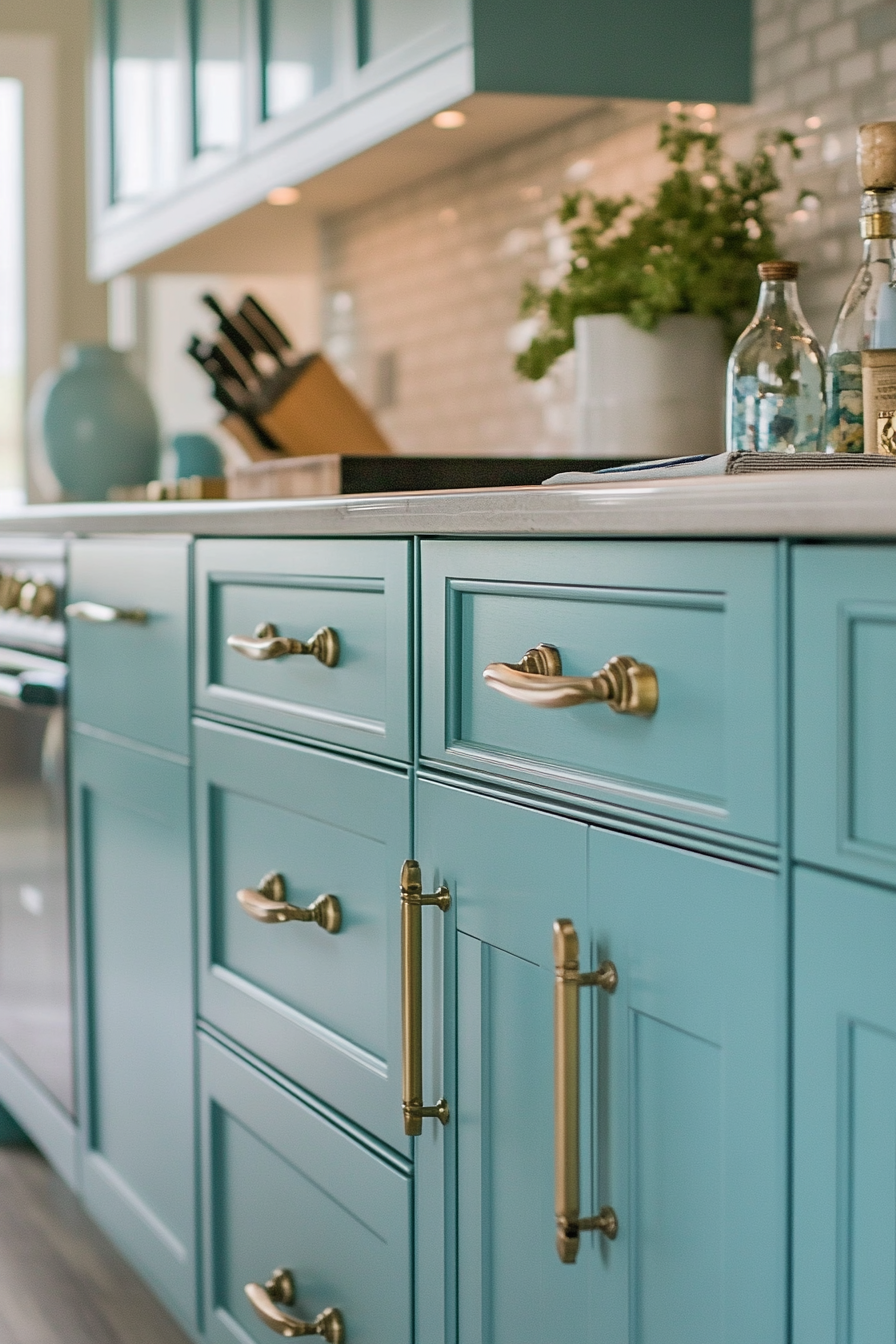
(10, 588)
(38, 598)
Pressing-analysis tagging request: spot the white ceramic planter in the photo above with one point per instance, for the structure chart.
(654, 393)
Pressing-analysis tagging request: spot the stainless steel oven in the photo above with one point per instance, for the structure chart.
(35, 954)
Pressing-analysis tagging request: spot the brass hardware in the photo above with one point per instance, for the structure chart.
(97, 613)
(567, 982)
(623, 683)
(11, 586)
(268, 904)
(281, 1288)
(266, 643)
(412, 902)
(38, 598)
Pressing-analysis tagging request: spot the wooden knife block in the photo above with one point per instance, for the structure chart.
(310, 412)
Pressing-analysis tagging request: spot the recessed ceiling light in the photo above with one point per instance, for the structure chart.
(704, 111)
(813, 123)
(450, 119)
(284, 196)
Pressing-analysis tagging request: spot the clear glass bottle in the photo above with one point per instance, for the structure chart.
(775, 397)
(866, 321)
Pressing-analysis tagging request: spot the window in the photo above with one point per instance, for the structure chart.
(12, 292)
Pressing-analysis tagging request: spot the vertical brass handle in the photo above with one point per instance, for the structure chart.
(268, 904)
(412, 902)
(280, 1287)
(568, 980)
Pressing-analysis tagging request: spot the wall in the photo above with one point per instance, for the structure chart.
(423, 286)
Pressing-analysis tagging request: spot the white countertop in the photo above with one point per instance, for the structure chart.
(836, 504)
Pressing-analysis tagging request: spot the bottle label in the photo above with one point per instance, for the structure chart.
(844, 397)
(879, 400)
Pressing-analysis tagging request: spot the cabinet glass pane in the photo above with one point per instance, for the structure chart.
(219, 74)
(298, 52)
(146, 104)
(384, 25)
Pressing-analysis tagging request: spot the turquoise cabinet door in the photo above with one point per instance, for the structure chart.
(287, 1188)
(844, 1241)
(131, 678)
(844, 616)
(321, 1007)
(507, 868)
(131, 864)
(690, 1121)
(683, 1082)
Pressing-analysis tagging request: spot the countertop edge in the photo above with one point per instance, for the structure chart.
(835, 504)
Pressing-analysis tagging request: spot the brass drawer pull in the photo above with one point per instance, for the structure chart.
(268, 904)
(412, 902)
(623, 683)
(266, 644)
(568, 979)
(280, 1287)
(97, 613)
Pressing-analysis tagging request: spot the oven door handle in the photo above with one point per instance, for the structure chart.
(34, 686)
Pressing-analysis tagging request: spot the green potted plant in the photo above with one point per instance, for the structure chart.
(655, 294)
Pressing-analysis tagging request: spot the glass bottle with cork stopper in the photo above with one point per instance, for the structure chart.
(867, 317)
(775, 395)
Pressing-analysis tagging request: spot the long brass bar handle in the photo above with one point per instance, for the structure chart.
(266, 644)
(623, 683)
(568, 980)
(97, 613)
(280, 1287)
(268, 904)
(412, 902)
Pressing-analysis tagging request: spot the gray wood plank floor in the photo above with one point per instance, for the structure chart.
(61, 1281)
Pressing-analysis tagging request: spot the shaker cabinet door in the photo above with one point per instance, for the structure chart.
(690, 1112)
(844, 1285)
(131, 866)
(681, 1083)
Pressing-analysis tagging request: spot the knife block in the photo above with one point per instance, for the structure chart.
(309, 412)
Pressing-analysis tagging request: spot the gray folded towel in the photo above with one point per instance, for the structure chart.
(723, 464)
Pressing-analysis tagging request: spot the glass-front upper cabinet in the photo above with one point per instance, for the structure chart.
(219, 74)
(147, 102)
(385, 26)
(298, 41)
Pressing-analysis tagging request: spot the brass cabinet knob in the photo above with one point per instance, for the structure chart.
(623, 683)
(280, 1287)
(11, 586)
(266, 644)
(38, 598)
(268, 904)
(97, 613)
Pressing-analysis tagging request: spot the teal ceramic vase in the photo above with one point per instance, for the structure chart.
(99, 426)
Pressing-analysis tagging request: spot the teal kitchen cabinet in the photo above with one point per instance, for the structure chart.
(703, 615)
(201, 107)
(319, 1002)
(844, 670)
(129, 639)
(133, 894)
(292, 1200)
(844, 1215)
(681, 1075)
(353, 693)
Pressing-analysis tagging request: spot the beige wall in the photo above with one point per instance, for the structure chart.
(81, 305)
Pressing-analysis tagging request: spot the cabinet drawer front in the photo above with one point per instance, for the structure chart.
(131, 678)
(284, 1188)
(321, 1007)
(844, 677)
(359, 589)
(703, 615)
